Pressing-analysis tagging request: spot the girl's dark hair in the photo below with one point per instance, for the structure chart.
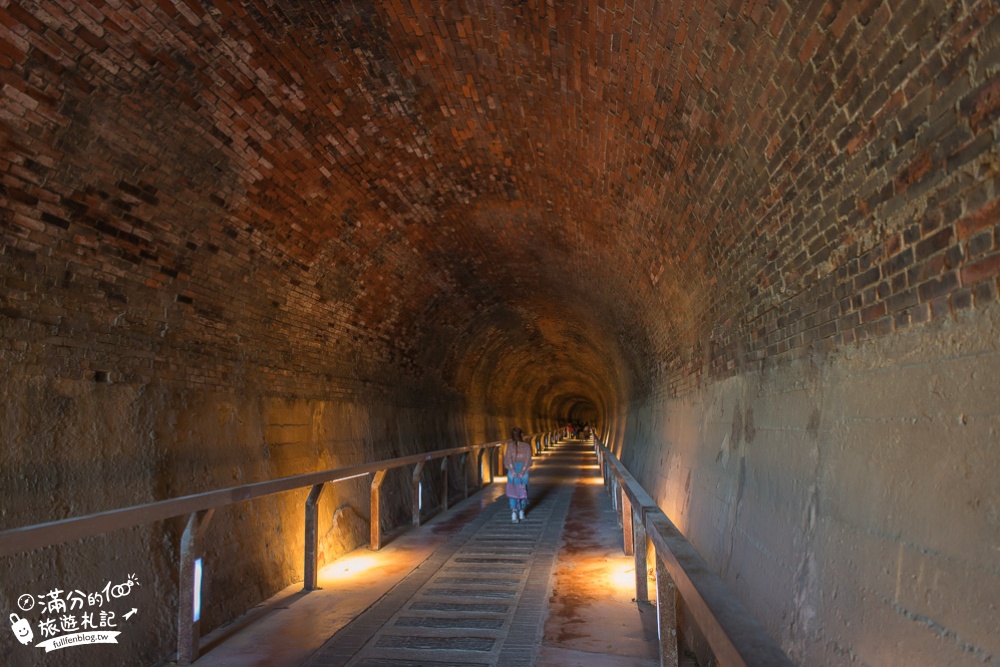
(516, 434)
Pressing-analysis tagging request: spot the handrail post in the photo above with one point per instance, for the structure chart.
(312, 538)
(463, 464)
(616, 490)
(479, 466)
(666, 615)
(191, 549)
(444, 483)
(627, 522)
(641, 543)
(418, 472)
(375, 526)
(485, 476)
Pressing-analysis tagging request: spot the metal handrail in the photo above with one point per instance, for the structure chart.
(52, 533)
(200, 507)
(736, 639)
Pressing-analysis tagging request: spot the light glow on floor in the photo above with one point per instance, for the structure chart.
(621, 576)
(351, 566)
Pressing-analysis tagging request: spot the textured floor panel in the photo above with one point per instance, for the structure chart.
(450, 623)
(479, 600)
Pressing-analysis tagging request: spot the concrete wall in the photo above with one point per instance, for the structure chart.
(849, 500)
(77, 447)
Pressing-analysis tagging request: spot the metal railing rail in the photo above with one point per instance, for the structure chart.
(736, 639)
(200, 507)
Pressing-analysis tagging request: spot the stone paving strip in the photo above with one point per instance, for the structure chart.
(478, 601)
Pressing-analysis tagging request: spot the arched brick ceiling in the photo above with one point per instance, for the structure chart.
(545, 205)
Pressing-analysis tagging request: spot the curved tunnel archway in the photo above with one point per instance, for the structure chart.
(241, 240)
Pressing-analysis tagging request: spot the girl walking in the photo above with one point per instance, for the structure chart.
(517, 461)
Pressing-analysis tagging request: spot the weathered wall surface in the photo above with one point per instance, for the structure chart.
(75, 447)
(850, 500)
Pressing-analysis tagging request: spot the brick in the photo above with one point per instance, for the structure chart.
(90, 38)
(902, 301)
(873, 312)
(969, 152)
(984, 293)
(899, 262)
(917, 169)
(981, 243)
(982, 106)
(849, 321)
(935, 243)
(55, 220)
(953, 256)
(867, 278)
(987, 267)
(827, 330)
(961, 299)
(983, 218)
(942, 286)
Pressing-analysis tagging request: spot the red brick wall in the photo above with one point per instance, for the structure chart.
(297, 191)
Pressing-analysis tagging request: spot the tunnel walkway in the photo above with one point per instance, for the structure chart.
(472, 588)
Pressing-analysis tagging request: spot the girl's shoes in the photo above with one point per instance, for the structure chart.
(520, 515)
(513, 516)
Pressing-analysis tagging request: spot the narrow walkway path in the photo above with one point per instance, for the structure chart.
(546, 591)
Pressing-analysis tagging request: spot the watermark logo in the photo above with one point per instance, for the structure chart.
(21, 628)
(73, 618)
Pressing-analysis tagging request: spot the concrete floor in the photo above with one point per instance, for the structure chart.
(590, 618)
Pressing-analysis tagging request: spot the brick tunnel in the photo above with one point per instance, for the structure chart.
(756, 244)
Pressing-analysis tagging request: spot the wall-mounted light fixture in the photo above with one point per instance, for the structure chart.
(197, 590)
